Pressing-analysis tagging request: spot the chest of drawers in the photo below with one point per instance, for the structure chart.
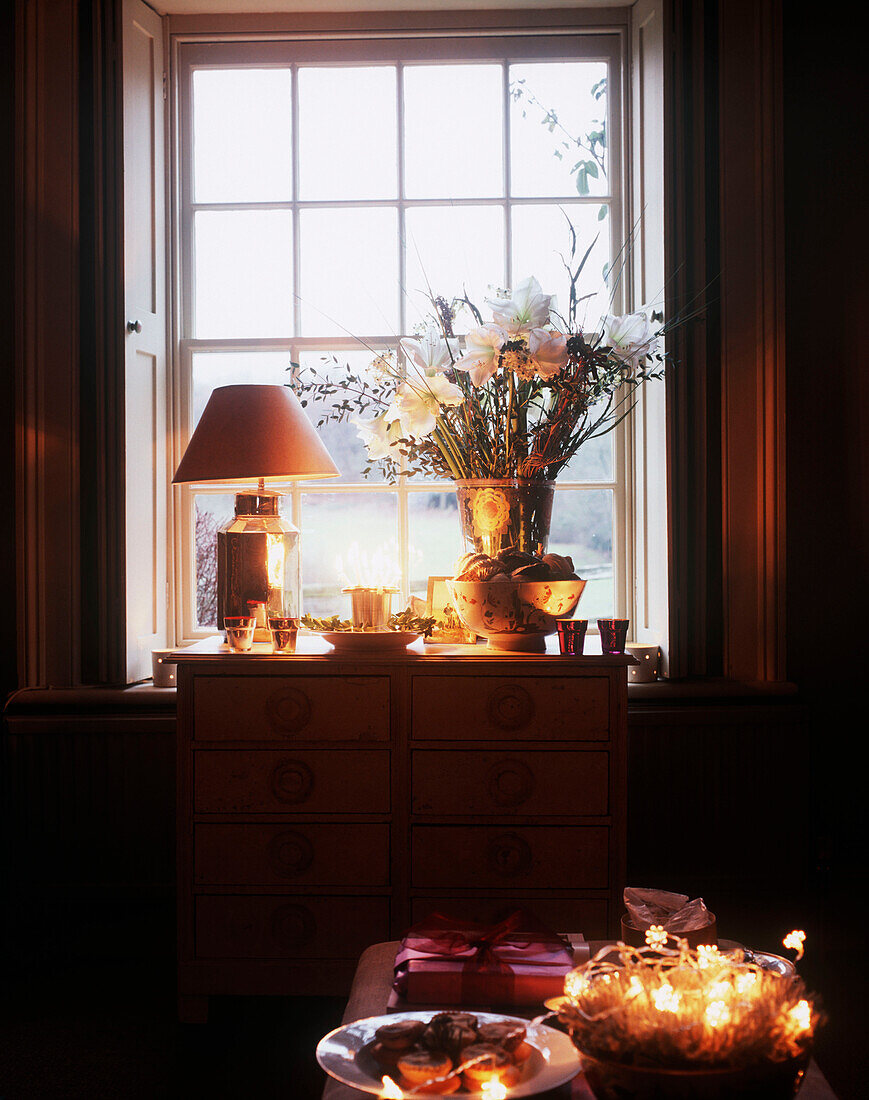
(326, 803)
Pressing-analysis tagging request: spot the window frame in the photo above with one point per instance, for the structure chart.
(372, 47)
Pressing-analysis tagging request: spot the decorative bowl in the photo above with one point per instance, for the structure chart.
(764, 1081)
(512, 614)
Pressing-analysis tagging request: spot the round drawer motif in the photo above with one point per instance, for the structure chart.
(290, 853)
(292, 781)
(510, 707)
(288, 711)
(509, 855)
(293, 926)
(510, 783)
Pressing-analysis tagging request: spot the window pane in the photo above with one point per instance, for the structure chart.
(582, 526)
(450, 248)
(541, 238)
(242, 145)
(592, 462)
(336, 528)
(543, 146)
(434, 537)
(342, 440)
(347, 133)
(229, 368)
(211, 511)
(348, 275)
(244, 273)
(451, 151)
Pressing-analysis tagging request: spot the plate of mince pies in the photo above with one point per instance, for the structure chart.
(448, 1053)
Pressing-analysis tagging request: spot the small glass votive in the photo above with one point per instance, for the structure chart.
(283, 630)
(571, 636)
(613, 635)
(239, 632)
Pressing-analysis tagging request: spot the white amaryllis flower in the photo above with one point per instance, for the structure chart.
(418, 404)
(632, 337)
(482, 346)
(381, 434)
(527, 308)
(431, 353)
(548, 350)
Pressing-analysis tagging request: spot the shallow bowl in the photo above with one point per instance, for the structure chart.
(515, 615)
(765, 1081)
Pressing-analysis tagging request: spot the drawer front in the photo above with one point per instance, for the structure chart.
(518, 708)
(568, 858)
(256, 927)
(309, 854)
(501, 783)
(586, 915)
(268, 708)
(251, 781)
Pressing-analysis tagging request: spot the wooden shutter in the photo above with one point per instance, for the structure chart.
(147, 476)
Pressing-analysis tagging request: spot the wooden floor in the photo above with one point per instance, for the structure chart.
(106, 1031)
(107, 1036)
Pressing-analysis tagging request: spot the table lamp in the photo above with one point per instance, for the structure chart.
(256, 433)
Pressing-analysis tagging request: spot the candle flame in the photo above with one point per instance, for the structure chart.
(795, 941)
(275, 554)
(390, 1090)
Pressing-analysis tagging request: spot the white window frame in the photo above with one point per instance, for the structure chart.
(193, 50)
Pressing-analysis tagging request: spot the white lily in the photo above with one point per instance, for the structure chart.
(548, 350)
(418, 404)
(527, 308)
(431, 353)
(380, 435)
(482, 346)
(632, 337)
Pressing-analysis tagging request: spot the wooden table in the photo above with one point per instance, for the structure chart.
(370, 991)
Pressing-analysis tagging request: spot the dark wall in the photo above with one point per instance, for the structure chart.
(7, 353)
(828, 461)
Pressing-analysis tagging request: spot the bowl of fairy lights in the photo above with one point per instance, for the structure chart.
(669, 1022)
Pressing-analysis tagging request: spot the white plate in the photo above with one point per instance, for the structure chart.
(367, 641)
(554, 1061)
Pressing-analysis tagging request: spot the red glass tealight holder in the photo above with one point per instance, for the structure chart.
(613, 635)
(283, 630)
(239, 632)
(571, 636)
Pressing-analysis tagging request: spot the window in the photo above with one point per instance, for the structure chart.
(322, 185)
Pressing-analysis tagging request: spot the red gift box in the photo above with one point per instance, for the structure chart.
(444, 961)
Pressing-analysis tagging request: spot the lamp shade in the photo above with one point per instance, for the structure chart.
(250, 433)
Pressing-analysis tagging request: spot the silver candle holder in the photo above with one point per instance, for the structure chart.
(370, 606)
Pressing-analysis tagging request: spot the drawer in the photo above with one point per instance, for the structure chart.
(503, 708)
(255, 927)
(267, 708)
(567, 858)
(471, 782)
(309, 854)
(252, 781)
(586, 915)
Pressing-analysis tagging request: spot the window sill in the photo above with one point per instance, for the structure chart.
(144, 699)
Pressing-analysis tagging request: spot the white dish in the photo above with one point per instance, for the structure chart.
(555, 1059)
(368, 641)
